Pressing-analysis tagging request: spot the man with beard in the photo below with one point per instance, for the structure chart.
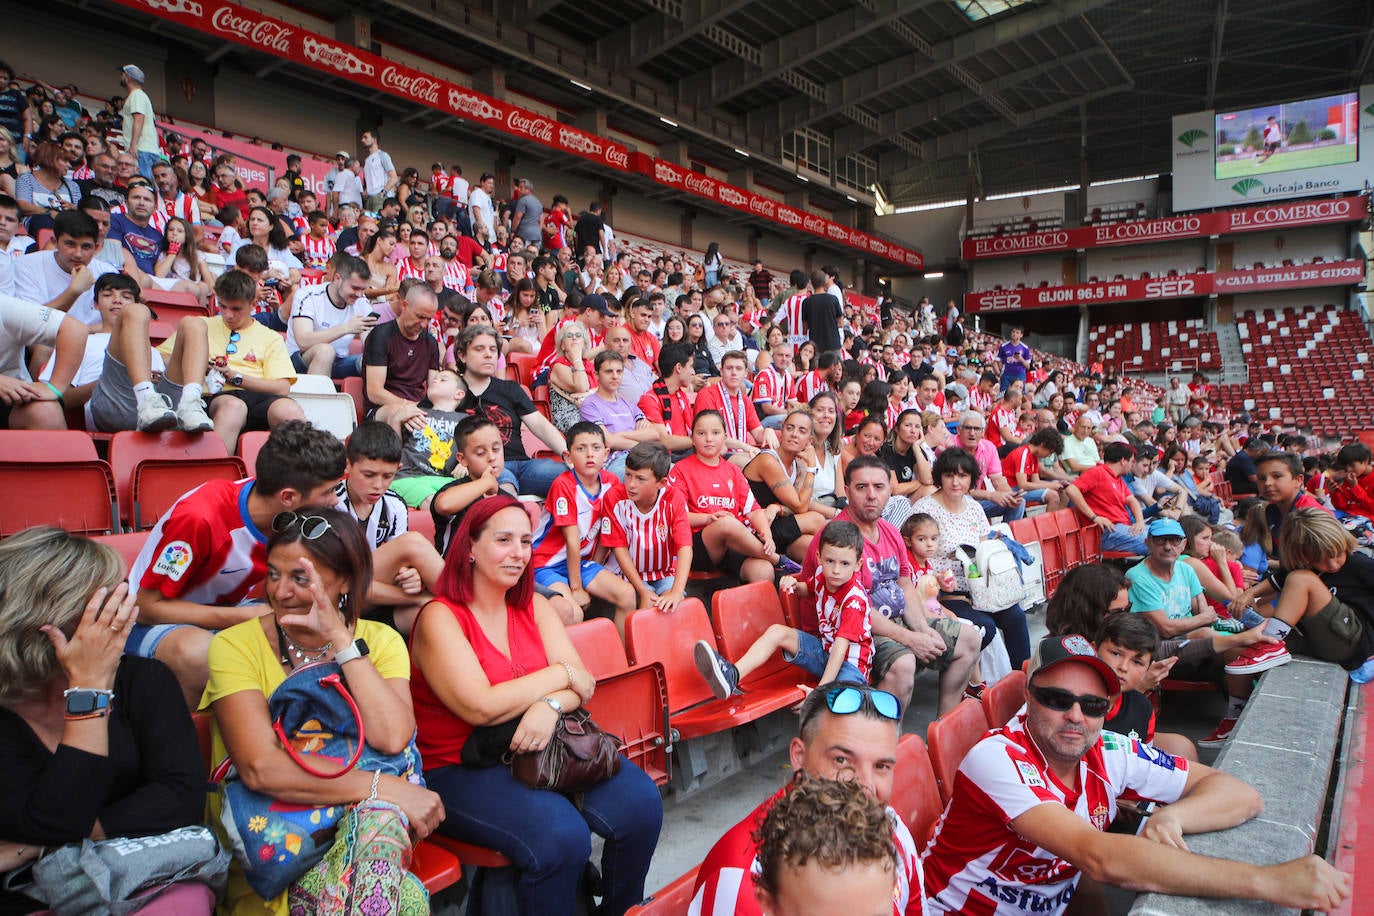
(1031, 802)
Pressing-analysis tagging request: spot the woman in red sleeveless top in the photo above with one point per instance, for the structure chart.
(489, 652)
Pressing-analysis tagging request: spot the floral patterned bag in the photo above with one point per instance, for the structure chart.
(367, 870)
(319, 726)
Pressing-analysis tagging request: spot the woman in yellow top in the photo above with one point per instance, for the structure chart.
(318, 570)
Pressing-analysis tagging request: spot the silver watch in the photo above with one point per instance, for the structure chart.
(553, 704)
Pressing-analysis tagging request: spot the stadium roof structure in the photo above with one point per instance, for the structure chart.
(932, 95)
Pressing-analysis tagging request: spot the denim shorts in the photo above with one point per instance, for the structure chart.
(812, 658)
(557, 573)
(144, 638)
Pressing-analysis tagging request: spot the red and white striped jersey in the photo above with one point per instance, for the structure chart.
(567, 504)
(83, 173)
(317, 251)
(809, 385)
(791, 315)
(980, 400)
(773, 387)
(844, 614)
(653, 538)
(406, 269)
(205, 549)
(978, 864)
(725, 881)
(184, 206)
(456, 275)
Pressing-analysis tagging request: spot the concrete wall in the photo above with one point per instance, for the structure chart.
(1130, 260)
(934, 232)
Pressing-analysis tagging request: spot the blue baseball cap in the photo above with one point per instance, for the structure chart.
(1165, 528)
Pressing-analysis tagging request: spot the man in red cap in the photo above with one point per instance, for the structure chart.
(1031, 803)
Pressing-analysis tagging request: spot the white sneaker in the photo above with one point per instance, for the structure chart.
(191, 416)
(155, 415)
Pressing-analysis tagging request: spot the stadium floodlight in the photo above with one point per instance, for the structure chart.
(667, 121)
(742, 152)
(935, 275)
(582, 86)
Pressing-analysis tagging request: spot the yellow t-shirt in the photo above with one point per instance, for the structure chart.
(259, 351)
(242, 659)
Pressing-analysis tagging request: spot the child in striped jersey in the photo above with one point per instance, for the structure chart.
(649, 537)
(841, 651)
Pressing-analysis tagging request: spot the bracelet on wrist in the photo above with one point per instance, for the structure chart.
(56, 391)
(567, 668)
(376, 780)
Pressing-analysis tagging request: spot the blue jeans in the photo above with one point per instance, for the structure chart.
(1012, 623)
(146, 161)
(532, 476)
(1120, 538)
(812, 658)
(547, 837)
(992, 510)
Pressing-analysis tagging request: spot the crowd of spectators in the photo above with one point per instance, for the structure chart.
(752, 426)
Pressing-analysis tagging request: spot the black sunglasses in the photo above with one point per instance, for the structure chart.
(1062, 701)
(312, 526)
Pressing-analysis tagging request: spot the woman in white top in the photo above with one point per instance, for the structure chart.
(828, 434)
(963, 524)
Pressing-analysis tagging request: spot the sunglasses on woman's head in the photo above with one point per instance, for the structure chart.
(312, 526)
(1058, 700)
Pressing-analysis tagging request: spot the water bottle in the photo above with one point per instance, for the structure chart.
(1365, 673)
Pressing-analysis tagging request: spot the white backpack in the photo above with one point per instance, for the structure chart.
(999, 584)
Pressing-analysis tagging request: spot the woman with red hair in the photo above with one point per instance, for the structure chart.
(489, 652)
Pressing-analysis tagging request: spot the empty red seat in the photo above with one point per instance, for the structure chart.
(127, 545)
(1004, 698)
(915, 790)
(652, 636)
(671, 900)
(739, 616)
(250, 443)
(153, 470)
(951, 737)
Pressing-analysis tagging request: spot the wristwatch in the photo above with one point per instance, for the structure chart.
(356, 649)
(84, 702)
(237, 380)
(553, 704)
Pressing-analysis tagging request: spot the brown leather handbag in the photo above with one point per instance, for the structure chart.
(578, 756)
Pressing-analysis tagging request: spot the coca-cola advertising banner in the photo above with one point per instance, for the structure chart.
(262, 32)
(1336, 273)
(1187, 226)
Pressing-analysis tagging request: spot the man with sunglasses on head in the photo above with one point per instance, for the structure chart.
(847, 731)
(1031, 803)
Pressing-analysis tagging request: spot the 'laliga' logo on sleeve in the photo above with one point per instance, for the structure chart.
(561, 507)
(173, 560)
(1029, 774)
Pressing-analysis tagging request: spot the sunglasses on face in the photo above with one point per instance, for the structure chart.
(312, 526)
(1058, 700)
(233, 346)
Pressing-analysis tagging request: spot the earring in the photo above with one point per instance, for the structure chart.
(343, 602)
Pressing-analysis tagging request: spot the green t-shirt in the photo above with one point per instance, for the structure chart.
(1174, 598)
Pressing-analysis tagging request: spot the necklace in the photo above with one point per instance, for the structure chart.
(302, 655)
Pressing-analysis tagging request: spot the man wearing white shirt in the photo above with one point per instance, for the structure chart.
(348, 186)
(379, 173)
(62, 278)
(480, 208)
(326, 317)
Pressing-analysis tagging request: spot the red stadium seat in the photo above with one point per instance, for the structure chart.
(158, 484)
(128, 449)
(1066, 521)
(739, 617)
(250, 443)
(46, 445)
(652, 636)
(915, 791)
(599, 646)
(1051, 550)
(951, 737)
(77, 496)
(671, 900)
(126, 545)
(1004, 698)
(172, 307)
(800, 613)
(524, 364)
(422, 521)
(353, 387)
(468, 854)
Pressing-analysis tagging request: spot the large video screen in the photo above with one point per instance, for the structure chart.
(1312, 133)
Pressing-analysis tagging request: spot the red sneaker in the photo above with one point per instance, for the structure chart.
(1260, 657)
(1220, 735)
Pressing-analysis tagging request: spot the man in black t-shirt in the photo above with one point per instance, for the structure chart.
(506, 404)
(587, 230)
(398, 359)
(821, 313)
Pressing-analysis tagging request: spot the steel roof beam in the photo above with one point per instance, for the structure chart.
(1218, 36)
(671, 23)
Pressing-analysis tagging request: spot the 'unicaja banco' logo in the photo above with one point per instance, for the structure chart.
(1246, 186)
(1189, 137)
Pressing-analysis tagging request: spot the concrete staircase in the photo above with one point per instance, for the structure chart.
(1234, 370)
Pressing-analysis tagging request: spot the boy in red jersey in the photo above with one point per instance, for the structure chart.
(649, 535)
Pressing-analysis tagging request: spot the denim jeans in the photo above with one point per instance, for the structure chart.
(1012, 623)
(547, 837)
(533, 476)
(146, 161)
(1120, 538)
(992, 510)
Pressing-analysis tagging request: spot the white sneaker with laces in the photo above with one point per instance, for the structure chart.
(155, 415)
(191, 416)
